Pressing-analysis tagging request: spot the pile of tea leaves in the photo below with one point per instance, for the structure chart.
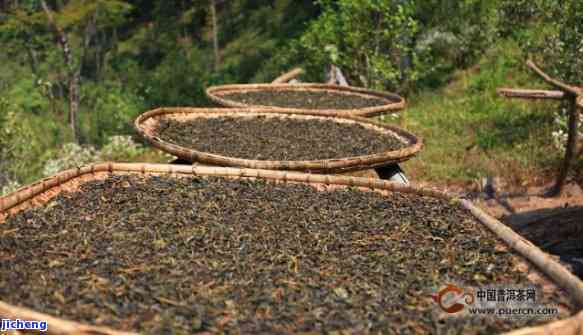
(276, 138)
(304, 99)
(193, 254)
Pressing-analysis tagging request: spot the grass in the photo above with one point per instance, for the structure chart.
(470, 132)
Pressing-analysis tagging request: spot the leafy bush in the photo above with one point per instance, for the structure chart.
(26, 139)
(550, 31)
(179, 80)
(369, 40)
(554, 38)
(71, 155)
(120, 148)
(112, 110)
(562, 49)
(9, 187)
(560, 134)
(453, 35)
(28, 97)
(397, 45)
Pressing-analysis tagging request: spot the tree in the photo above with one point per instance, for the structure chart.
(368, 39)
(22, 28)
(72, 71)
(549, 31)
(215, 28)
(562, 49)
(74, 25)
(80, 15)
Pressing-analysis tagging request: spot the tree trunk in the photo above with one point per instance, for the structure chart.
(74, 81)
(33, 59)
(73, 73)
(90, 31)
(214, 23)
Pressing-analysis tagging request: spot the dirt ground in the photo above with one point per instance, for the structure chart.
(554, 224)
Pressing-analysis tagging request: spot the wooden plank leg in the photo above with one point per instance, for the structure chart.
(570, 150)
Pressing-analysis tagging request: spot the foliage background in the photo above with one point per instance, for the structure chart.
(446, 56)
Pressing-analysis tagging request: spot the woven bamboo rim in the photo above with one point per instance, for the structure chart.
(146, 125)
(570, 326)
(42, 191)
(394, 102)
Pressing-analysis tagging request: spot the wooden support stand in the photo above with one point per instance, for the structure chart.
(574, 97)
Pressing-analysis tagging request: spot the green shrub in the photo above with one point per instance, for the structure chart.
(551, 32)
(109, 110)
(9, 187)
(27, 140)
(369, 40)
(398, 45)
(179, 80)
(72, 155)
(27, 95)
(120, 148)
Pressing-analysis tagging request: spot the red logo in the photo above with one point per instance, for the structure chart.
(458, 294)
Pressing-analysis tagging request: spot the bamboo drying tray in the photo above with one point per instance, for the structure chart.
(42, 191)
(394, 103)
(146, 126)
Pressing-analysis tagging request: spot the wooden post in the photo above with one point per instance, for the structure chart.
(571, 146)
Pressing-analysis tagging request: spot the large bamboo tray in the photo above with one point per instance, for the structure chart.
(146, 125)
(41, 192)
(394, 103)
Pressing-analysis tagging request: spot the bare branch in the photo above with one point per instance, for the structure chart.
(558, 84)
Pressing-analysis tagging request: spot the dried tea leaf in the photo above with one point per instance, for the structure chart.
(185, 255)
